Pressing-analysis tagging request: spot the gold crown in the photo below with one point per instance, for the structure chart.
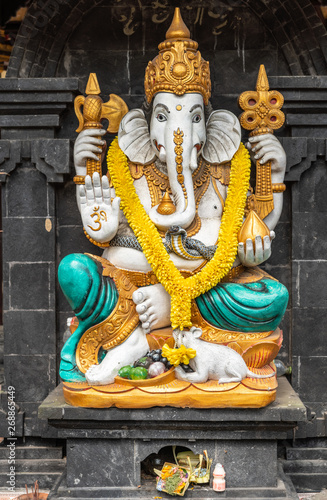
(179, 67)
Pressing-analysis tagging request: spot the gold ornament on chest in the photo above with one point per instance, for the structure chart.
(160, 191)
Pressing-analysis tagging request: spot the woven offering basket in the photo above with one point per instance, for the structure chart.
(173, 468)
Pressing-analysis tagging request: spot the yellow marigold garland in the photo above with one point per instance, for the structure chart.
(178, 356)
(183, 290)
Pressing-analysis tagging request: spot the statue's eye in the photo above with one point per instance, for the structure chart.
(196, 119)
(161, 117)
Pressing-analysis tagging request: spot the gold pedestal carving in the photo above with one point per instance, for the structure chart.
(166, 390)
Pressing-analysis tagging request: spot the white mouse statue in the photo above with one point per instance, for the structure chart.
(212, 361)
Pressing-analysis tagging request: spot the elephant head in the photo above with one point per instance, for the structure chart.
(178, 135)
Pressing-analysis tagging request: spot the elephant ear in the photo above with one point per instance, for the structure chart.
(134, 137)
(223, 137)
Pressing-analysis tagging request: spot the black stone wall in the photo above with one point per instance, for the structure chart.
(32, 162)
(59, 44)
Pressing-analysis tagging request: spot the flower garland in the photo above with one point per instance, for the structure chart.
(183, 290)
(178, 356)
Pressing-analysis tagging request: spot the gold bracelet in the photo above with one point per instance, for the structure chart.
(101, 245)
(278, 188)
(79, 179)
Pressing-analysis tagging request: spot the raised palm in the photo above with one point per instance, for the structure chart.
(100, 217)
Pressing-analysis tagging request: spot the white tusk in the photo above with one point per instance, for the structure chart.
(162, 154)
(194, 159)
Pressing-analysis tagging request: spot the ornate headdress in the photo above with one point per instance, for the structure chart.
(179, 67)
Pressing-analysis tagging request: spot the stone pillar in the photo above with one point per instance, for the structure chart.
(32, 160)
(306, 118)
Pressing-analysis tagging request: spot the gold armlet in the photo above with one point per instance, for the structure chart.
(79, 179)
(101, 245)
(278, 188)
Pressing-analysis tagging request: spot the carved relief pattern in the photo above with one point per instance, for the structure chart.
(221, 173)
(212, 334)
(111, 332)
(157, 182)
(179, 68)
(262, 111)
(136, 170)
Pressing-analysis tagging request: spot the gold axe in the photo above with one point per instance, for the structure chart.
(95, 110)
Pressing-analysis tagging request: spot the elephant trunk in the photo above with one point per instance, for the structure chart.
(181, 158)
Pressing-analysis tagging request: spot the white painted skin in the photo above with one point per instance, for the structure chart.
(134, 347)
(153, 302)
(96, 193)
(147, 300)
(212, 361)
(167, 118)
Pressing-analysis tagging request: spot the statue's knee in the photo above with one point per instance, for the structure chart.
(79, 278)
(282, 297)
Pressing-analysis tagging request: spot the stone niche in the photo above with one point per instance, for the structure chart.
(105, 447)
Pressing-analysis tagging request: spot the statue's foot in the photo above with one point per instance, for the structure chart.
(134, 347)
(153, 307)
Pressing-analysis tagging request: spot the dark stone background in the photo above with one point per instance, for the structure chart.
(61, 42)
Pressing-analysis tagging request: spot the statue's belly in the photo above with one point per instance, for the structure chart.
(131, 259)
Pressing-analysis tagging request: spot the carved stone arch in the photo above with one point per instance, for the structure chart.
(48, 24)
(43, 35)
(298, 31)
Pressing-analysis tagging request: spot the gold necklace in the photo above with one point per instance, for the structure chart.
(158, 184)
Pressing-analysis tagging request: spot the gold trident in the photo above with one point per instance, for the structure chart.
(95, 110)
(262, 115)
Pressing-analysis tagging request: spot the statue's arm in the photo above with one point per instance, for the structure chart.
(264, 148)
(87, 145)
(99, 215)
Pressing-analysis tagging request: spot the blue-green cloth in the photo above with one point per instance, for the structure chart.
(92, 298)
(246, 307)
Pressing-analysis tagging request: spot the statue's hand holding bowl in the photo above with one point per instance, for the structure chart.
(88, 145)
(100, 216)
(254, 253)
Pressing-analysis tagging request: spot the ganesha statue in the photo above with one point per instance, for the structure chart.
(182, 234)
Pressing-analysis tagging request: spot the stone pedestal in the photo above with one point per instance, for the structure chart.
(105, 447)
